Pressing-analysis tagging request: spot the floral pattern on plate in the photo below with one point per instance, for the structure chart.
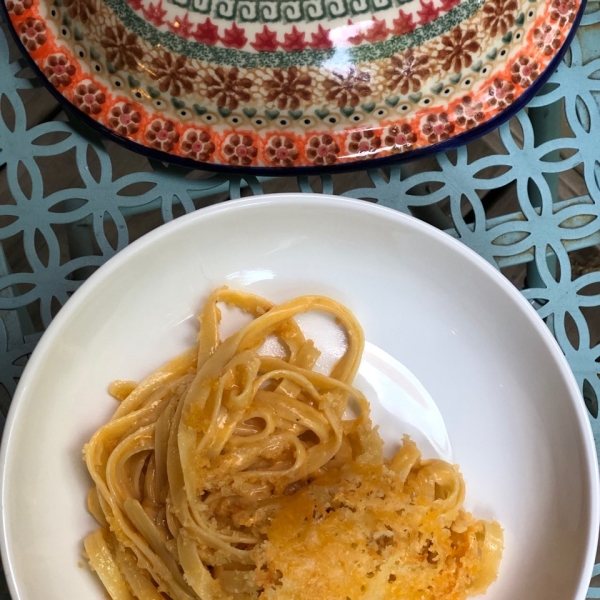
(289, 83)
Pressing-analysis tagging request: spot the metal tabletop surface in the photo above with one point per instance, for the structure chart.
(526, 197)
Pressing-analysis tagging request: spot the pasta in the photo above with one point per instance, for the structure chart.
(232, 475)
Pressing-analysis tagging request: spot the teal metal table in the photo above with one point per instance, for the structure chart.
(69, 201)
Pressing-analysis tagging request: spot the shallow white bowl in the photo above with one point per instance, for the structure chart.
(513, 413)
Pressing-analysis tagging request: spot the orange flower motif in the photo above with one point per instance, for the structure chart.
(437, 127)
(59, 70)
(124, 119)
(88, 97)
(525, 71)
(18, 7)
(161, 135)
(547, 38)
(399, 138)
(363, 142)
(240, 150)
(501, 93)
(32, 33)
(322, 150)
(563, 11)
(469, 113)
(281, 151)
(197, 144)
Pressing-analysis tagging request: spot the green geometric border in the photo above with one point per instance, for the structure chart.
(284, 60)
(284, 11)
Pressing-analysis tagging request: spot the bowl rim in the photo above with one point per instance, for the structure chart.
(314, 201)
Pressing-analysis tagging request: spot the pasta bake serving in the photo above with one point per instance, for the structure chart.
(231, 474)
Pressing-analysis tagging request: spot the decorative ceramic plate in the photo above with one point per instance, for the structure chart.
(288, 83)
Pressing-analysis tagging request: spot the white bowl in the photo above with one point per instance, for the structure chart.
(514, 416)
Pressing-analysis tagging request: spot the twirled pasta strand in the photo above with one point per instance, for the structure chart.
(200, 456)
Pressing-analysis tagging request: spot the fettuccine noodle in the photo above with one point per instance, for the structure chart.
(229, 474)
